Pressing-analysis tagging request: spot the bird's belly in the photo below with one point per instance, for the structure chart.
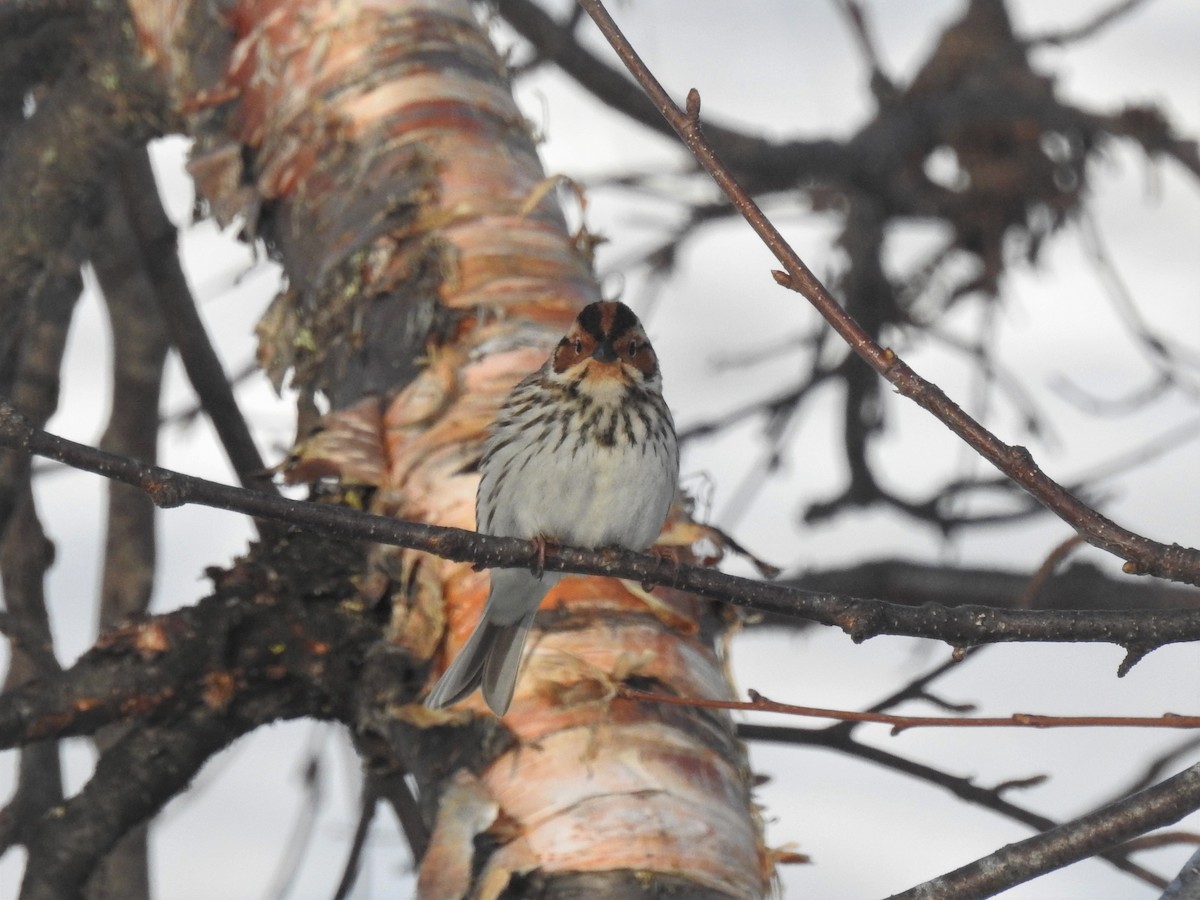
(594, 497)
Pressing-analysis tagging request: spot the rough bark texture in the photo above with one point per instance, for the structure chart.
(379, 153)
(375, 149)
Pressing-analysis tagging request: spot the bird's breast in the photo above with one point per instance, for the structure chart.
(604, 476)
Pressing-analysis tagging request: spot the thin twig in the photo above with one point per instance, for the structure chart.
(759, 703)
(1160, 765)
(157, 242)
(881, 85)
(1163, 804)
(366, 815)
(1161, 839)
(1143, 555)
(1088, 28)
(963, 788)
(1045, 571)
(296, 848)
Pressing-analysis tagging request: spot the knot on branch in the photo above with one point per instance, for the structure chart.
(164, 490)
(862, 621)
(15, 431)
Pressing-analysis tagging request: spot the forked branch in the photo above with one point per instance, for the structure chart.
(1142, 555)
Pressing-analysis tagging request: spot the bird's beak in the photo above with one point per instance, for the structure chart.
(604, 352)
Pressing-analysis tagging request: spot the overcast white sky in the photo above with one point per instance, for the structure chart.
(786, 69)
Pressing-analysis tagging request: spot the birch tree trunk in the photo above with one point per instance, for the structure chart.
(376, 148)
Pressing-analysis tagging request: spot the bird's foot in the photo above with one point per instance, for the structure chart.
(668, 554)
(537, 563)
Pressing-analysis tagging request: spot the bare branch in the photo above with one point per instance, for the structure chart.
(1138, 631)
(1163, 804)
(1143, 555)
(1079, 586)
(378, 786)
(1087, 29)
(759, 703)
(26, 554)
(313, 778)
(556, 43)
(156, 240)
(964, 788)
(881, 85)
(133, 780)
(60, 176)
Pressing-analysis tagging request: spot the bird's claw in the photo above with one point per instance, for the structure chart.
(537, 563)
(668, 554)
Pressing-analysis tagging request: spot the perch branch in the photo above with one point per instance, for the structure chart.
(1138, 631)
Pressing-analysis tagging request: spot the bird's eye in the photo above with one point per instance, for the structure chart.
(634, 347)
(578, 345)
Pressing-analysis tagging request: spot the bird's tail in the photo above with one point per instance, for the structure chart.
(492, 655)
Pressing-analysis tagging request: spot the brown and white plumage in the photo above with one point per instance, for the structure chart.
(582, 453)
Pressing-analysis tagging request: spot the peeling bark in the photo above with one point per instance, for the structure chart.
(379, 153)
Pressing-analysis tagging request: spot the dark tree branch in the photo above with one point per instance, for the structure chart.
(1079, 586)
(1143, 555)
(28, 637)
(302, 829)
(132, 781)
(1149, 127)
(263, 633)
(33, 380)
(834, 738)
(156, 241)
(1163, 804)
(369, 804)
(392, 787)
(385, 780)
(1086, 29)
(59, 159)
(1138, 631)
(26, 554)
(274, 642)
(357, 844)
(555, 42)
(881, 86)
(139, 353)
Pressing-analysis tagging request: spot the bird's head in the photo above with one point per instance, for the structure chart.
(606, 351)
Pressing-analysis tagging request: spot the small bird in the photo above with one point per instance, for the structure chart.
(582, 453)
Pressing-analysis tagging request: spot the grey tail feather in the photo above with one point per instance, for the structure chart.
(466, 671)
(491, 657)
(504, 663)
